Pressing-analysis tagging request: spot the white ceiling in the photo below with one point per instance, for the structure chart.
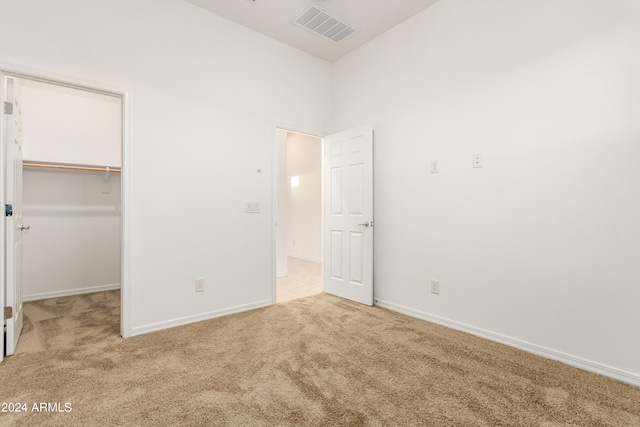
(274, 18)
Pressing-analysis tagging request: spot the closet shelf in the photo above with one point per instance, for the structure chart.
(29, 164)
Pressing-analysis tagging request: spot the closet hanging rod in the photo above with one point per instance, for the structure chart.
(73, 167)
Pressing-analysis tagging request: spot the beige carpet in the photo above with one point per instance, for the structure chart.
(316, 361)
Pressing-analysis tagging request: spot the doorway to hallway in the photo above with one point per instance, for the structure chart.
(299, 215)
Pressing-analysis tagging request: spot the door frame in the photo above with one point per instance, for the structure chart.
(125, 239)
(274, 198)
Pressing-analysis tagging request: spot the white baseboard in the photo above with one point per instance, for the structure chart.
(68, 292)
(283, 274)
(139, 330)
(306, 258)
(578, 362)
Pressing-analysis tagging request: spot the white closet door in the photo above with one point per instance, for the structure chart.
(14, 225)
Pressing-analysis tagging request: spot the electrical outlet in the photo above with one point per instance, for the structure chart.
(434, 166)
(435, 287)
(477, 160)
(200, 285)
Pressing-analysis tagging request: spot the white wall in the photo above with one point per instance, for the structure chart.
(64, 125)
(205, 94)
(540, 247)
(73, 245)
(282, 205)
(304, 217)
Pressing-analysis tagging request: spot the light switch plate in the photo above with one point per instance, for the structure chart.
(435, 287)
(252, 207)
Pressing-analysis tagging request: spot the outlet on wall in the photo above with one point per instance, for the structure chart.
(200, 284)
(435, 287)
(476, 160)
(433, 165)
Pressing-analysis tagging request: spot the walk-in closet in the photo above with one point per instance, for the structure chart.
(71, 190)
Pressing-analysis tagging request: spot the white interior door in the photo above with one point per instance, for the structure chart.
(348, 214)
(3, 121)
(13, 223)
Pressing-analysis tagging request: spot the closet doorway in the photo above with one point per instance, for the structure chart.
(299, 215)
(71, 197)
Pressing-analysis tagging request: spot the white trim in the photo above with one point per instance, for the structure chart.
(305, 258)
(139, 330)
(68, 292)
(273, 131)
(62, 80)
(578, 362)
(126, 252)
(291, 128)
(283, 274)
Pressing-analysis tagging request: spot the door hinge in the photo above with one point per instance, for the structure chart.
(8, 108)
(8, 313)
(8, 210)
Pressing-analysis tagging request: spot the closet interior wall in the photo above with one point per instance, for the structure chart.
(74, 243)
(304, 221)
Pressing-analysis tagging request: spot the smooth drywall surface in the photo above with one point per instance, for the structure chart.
(282, 204)
(304, 217)
(541, 244)
(64, 125)
(204, 96)
(73, 245)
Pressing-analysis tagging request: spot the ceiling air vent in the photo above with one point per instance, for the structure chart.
(324, 23)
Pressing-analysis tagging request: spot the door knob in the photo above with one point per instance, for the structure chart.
(365, 225)
(24, 227)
